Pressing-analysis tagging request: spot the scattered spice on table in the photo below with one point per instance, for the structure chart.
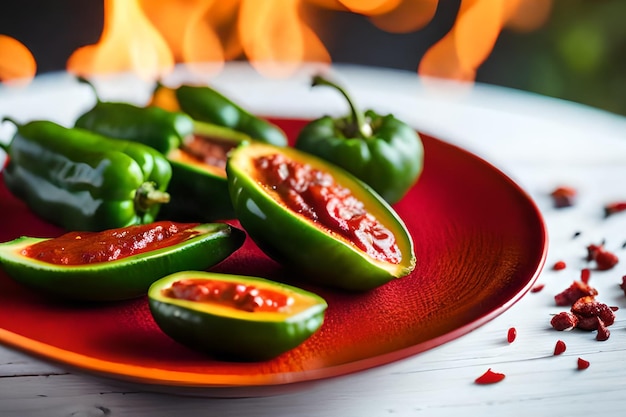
(614, 207)
(582, 364)
(573, 293)
(559, 347)
(563, 196)
(559, 265)
(511, 335)
(539, 287)
(489, 377)
(603, 258)
(585, 274)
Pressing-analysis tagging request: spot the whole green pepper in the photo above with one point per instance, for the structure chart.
(80, 180)
(205, 104)
(198, 189)
(382, 151)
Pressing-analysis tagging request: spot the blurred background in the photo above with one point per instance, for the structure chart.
(569, 49)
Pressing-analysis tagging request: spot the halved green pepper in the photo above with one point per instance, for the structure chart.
(234, 317)
(195, 150)
(384, 152)
(80, 180)
(317, 219)
(205, 104)
(54, 271)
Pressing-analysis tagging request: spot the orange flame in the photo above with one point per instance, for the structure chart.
(149, 37)
(17, 64)
(129, 42)
(479, 23)
(275, 39)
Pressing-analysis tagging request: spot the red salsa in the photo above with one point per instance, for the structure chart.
(80, 248)
(208, 151)
(315, 195)
(230, 294)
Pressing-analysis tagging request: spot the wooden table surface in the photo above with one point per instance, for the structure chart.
(540, 143)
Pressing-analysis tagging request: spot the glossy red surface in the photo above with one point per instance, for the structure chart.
(479, 240)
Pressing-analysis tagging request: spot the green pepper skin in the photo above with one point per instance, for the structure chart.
(382, 151)
(84, 181)
(124, 278)
(161, 129)
(301, 244)
(197, 192)
(242, 335)
(205, 104)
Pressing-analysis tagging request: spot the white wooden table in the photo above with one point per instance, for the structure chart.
(540, 143)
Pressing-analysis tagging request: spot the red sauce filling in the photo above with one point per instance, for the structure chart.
(315, 195)
(208, 151)
(80, 248)
(231, 294)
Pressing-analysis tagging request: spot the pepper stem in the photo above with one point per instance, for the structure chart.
(358, 117)
(5, 146)
(84, 80)
(147, 195)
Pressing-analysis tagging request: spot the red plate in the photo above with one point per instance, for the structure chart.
(480, 243)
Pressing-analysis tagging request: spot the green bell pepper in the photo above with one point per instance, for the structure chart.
(228, 321)
(382, 151)
(112, 266)
(205, 104)
(80, 180)
(198, 187)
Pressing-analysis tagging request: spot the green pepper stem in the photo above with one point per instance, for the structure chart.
(358, 117)
(84, 80)
(5, 146)
(148, 195)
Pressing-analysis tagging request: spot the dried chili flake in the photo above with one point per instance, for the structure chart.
(582, 364)
(511, 335)
(563, 196)
(615, 207)
(585, 274)
(559, 347)
(606, 260)
(559, 265)
(623, 284)
(603, 332)
(539, 287)
(588, 307)
(564, 321)
(572, 293)
(489, 377)
(592, 251)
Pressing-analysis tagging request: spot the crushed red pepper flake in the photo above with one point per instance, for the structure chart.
(575, 291)
(614, 207)
(489, 377)
(588, 307)
(563, 196)
(585, 274)
(603, 332)
(586, 314)
(540, 287)
(582, 364)
(606, 260)
(603, 258)
(559, 265)
(559, 347)
(511, 335)
(564, 321)
(623, 284)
